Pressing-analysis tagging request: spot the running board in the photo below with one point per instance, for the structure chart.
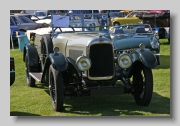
(36, 75)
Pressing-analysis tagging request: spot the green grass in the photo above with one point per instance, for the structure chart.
(27, 101)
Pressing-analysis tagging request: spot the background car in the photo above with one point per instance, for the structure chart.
(131, 18)
(13, 29)
(41, 14)
(159, 20)
(24, 23)
(136, 34)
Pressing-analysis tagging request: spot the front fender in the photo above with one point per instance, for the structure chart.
(146, 57)
(58, 61)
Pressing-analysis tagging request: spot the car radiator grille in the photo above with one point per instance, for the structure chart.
(102, 59)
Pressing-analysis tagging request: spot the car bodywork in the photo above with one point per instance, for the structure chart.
(12, 70)
(126, 38)
(80, 62)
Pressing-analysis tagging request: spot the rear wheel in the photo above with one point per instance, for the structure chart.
(56, 88)
(143, 85)
(46, 48)
(116, 24)
(29, 79)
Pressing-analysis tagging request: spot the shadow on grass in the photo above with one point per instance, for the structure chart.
(164, 62)
(15, 113)
(122, 105)
(116, 106)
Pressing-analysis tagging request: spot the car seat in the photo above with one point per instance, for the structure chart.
(140, 30)
(118, 31)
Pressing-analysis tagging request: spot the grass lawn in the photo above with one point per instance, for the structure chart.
(27, 101)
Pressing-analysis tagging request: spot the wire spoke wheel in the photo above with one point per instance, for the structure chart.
(56, 88)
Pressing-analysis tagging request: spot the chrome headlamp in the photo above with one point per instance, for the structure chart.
(124, 61)
(154, 45)
(83, 63)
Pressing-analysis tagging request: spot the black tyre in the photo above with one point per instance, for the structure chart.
(46, 47)
(143, 85)
(46, 44)
(56, 88)
(116, 24)
(29, 79)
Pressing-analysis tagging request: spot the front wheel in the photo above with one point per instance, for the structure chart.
(56, 88)
(143, 85)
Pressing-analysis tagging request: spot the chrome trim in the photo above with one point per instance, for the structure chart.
(100, 78)
(157, 54)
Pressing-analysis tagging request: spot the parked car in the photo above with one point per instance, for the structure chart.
(130, 36)
(12, 70)
(159, 20)
(41, 14)
(79, 62)
(13, 29)
(131, 18)
(24, 23)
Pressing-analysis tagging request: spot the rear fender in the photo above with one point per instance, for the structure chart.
(33, 59)
(146, 57)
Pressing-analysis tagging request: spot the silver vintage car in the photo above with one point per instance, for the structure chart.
(80, 60)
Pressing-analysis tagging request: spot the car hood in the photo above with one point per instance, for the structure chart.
(126, 42)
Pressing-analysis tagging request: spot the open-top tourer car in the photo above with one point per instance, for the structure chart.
(129, 36)
(81, 61)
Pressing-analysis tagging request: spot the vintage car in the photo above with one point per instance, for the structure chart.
(83, 61)
(12, 70)
(128, 37)
(129, 19)
(159, 20)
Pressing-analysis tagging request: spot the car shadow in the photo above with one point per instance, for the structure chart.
(115, 105)
(112, 105)
(15, 113)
